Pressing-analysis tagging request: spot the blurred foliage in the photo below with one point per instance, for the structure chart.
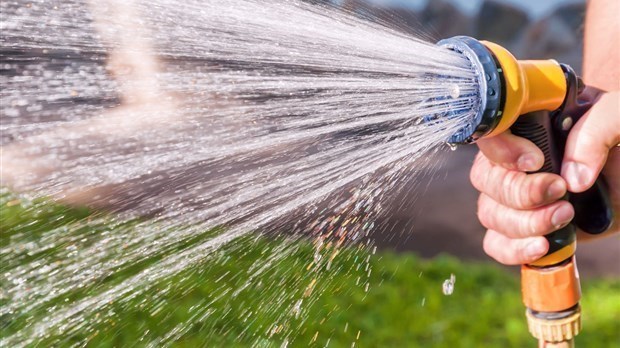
(403, 306)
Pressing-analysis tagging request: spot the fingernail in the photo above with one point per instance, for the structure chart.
(527, 162)
(535, 249)
(556, 190)
(577, 174)
(562, 216)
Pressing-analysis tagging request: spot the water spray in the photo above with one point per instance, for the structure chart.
(539, 100)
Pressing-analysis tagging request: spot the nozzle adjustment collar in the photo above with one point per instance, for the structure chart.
(489, 79)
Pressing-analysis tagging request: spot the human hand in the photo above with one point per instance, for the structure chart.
(518, 209)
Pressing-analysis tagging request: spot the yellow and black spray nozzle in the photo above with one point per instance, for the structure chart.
(538, 100)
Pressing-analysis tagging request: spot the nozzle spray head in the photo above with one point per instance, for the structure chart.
(488, 79)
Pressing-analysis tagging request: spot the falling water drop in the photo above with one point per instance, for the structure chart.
(448, 285)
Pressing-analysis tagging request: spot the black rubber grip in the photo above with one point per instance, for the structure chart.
(537, 127)
(549, 131)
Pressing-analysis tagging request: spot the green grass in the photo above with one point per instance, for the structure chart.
(404, 306)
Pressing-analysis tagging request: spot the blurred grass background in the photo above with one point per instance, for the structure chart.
(404, 306)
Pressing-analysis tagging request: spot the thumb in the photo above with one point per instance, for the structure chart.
(589, 142)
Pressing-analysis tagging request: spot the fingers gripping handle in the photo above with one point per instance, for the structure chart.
(538, 128)
(549, 131)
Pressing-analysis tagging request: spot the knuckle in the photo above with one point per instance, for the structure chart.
(521, 256)
(498, 249)
(521, 191)
(492, 249)
(478, 173)
(502, 154)
(474, 176)
(532, 224)
(508, 188)
(519, 194)
(488, 245)
(486, 215)
(479, 205)
(504, 259)
(532, 193)
(590, 140)
(537, 223)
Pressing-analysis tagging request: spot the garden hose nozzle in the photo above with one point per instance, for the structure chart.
(538, 100)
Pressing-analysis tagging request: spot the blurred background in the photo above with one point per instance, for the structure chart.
(528, 28)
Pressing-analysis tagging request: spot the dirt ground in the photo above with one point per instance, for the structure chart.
(444, 221)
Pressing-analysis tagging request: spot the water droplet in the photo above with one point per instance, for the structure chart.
(448, 285)
(297, 308)
(11, 112)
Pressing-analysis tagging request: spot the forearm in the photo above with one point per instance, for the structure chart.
(601, 58)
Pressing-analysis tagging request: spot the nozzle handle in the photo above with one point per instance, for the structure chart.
(538, 128)
(549, 131)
